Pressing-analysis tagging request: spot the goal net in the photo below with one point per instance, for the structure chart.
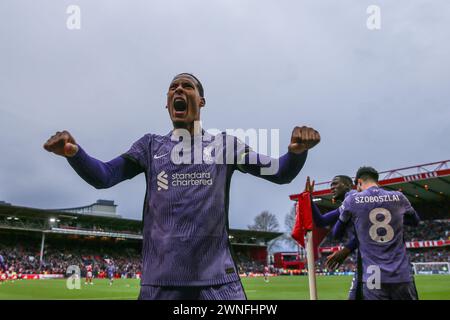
(431, 268)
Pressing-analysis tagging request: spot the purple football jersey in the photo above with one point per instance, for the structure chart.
(185, 214)
(185, 217)
(377, 216)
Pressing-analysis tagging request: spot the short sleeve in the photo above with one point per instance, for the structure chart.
(140, 151)
(344, 210)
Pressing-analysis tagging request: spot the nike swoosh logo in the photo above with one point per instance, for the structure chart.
(160, 156)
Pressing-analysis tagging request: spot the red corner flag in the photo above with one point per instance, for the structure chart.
(304, 222)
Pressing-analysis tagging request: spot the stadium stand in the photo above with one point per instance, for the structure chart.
(22, 253)
(36, 241)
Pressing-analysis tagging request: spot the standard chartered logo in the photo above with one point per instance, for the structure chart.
(163, 183)
(183, 180)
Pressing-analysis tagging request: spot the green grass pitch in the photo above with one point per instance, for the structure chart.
(279, 288)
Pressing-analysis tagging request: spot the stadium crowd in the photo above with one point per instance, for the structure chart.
(428, 230)
(24, 257)
(427, 255)
(247, 266)
(128, 264)
(25, 260)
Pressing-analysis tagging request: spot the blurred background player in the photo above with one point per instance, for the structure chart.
(2, 263)
(266, 274)
(2, 276)
(19, 274)
(110, 270)
(12, 275)
(89, 274)
(185, 224)
(378, 216)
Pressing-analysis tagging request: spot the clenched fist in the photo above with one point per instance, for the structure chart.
(62, 144)
(302, 139)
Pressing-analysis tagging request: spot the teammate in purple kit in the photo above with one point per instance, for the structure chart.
(378, 216)
(341, 186)
(186, 249)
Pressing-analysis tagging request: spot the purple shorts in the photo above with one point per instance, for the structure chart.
(227, 291)
(392, 291)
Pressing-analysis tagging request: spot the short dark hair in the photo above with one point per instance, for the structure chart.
(366, 173)
(199, 84)
(345, 179)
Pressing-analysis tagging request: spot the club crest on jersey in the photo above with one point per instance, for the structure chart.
(162, 181)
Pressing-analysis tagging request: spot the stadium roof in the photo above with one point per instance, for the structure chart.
(34, 213)
(427, 183)
(265, 236)
(19, 215)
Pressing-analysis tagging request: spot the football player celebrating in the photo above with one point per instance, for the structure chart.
(341, 186)
(186, 249)
(378, 216)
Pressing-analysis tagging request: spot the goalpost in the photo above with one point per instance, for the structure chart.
(431, 267)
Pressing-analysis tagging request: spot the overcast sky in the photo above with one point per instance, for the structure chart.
(378, 97)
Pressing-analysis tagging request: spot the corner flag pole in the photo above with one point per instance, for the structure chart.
(311, 266)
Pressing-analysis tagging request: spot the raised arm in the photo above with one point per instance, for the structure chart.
(287, 167)
(326, 219)
(95, 172)
(102, 175)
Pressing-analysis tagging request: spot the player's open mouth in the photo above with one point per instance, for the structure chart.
(180, 107)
